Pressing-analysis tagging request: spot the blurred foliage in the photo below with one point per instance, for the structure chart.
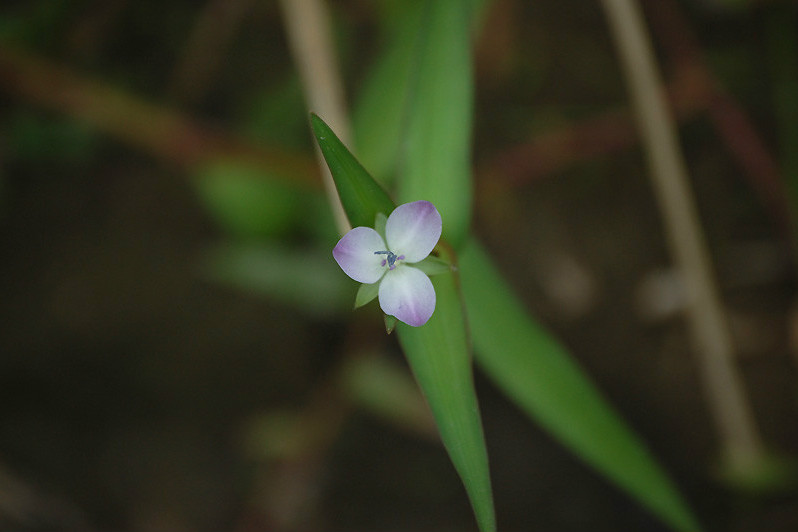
(277, 116)
(179, 348)
(300, 278)
(247, 203)
(35, 139)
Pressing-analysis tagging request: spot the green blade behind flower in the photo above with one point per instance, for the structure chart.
(361, 196)
(439, 356)
(379, 112)
(537, 373)
(435, 164)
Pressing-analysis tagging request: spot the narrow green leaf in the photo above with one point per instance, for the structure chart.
(382, 386)
(440, 359)
(436, 162)
(302, 278)
(366, 294)
(380, 221)
(390, 323)
(378, 117)
(538, 374)
(246, 202)
(362, 197)
(433, 266)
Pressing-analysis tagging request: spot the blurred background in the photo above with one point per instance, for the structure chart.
(177, 346)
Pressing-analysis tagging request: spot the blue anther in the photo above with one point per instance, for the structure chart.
(391, 258)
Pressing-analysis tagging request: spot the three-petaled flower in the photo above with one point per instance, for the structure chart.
(411, 232)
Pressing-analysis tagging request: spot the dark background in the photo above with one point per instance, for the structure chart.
(139, 394)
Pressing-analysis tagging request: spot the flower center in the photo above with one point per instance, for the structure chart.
(390, 258)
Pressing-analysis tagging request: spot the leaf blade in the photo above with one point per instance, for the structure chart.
(439, 356)
(379, 113)
(435, 165)
(539, 376)
(362, 197)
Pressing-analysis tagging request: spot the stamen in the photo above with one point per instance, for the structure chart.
(390, 259)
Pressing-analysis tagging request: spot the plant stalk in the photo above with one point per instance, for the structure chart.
(728, 404)
(307, 23)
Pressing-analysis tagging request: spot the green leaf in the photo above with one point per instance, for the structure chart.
(538, 374)
(366, 294)
(382, 386)
(439, 356)
(433, 266)
(436, 160)
(362, 197)
(378, 117)
(380, 221)
(390, 323)
(302, 278)
(244, 201)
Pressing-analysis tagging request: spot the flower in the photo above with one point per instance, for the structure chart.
(411, 232)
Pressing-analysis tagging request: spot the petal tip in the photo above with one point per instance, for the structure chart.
(354, 253)
(408, 295)
(413, 229)
(416, 321)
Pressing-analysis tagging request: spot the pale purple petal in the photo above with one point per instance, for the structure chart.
(407, 293)
(413, 229)
(354, 253)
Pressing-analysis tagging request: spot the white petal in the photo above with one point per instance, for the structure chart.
(407, 293)
(354, 253)
(413, 229)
